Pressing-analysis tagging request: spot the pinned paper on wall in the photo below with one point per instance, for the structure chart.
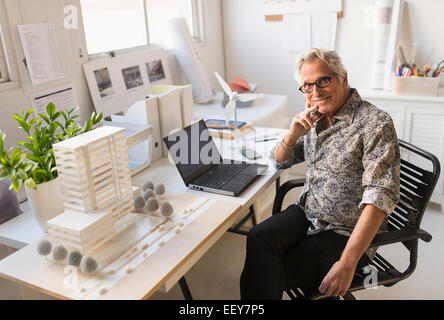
(305, 31)
(40, 49)
(63, 97)
(323, 30)
(297, 32)
(301, 6)
(275, 10)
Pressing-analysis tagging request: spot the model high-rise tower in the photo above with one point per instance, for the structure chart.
(96, 188)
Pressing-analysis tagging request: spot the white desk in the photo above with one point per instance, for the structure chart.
(269, 111)
(22, 230)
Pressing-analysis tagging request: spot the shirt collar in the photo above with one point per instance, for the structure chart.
(347, 111)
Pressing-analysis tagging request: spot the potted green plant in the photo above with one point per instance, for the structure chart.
(36, 168)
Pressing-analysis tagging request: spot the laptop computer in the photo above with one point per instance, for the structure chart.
(201, 166)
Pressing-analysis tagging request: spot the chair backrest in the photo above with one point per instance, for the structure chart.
(9, 206)
(417, 185)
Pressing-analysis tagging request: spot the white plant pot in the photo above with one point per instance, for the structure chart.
(45, 201)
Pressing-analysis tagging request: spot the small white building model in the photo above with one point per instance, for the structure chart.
(96, 188)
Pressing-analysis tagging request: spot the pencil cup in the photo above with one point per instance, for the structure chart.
(416, 86)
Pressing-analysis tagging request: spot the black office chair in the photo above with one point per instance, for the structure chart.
(417, 185)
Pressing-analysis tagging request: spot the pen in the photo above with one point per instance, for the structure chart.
(265, 139)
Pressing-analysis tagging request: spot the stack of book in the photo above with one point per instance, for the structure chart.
(219, 129)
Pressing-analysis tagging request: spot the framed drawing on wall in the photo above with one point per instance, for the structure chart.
(116, 83)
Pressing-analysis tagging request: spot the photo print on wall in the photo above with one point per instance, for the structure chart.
(104, 83)
(116, 83)
(155, 70)
(132, 77)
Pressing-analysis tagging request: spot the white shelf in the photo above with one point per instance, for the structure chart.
(388, 95)
(135, 133)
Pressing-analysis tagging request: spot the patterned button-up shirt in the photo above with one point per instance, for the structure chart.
(354, 162)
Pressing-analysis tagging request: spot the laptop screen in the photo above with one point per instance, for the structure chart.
(192, 150)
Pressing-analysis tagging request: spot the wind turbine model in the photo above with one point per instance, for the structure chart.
(233, 97)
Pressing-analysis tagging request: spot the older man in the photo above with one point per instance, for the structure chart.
(352, 185)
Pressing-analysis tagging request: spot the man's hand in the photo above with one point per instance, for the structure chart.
(338, 279)
(302, 123)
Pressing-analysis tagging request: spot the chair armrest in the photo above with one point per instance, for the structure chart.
(283, 190)
(402, 235)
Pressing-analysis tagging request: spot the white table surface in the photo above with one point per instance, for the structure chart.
(166, 172)
(269, 111)
(23, 230)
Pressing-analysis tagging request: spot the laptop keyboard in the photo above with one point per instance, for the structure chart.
(216, 178)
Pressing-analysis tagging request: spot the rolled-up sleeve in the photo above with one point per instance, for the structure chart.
(297, 156)
(381, 161)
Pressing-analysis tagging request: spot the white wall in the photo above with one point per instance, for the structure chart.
(212, 49)
(69, 44)
(256, 49)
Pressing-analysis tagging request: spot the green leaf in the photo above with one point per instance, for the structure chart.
(52, 127)
(56, 115)
(16, 184)
(28, 113)
(22, 174)
(47, 164)
(11, 171)
(17, 117)
(33, 157)
(88, 125)
(27, 167)
(39, 175)
(32, 121)
(3, 174)
(27, 145)
(45, 140)
(99, 118)
(30, 183)
(36, 147)
(4, 161)
(58, 124)
(44, 117)
(50, 109)
(16, 156)
(60, 136)
(21, 122)
(73, 110)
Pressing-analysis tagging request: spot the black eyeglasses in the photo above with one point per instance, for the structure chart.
(322, 82)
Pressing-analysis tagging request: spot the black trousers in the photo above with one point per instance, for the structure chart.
(281, 256)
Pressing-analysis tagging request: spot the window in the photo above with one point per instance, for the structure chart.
(9, 76)
(114, 25)
(3, 61)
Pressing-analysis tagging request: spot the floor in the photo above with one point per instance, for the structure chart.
(216, 275)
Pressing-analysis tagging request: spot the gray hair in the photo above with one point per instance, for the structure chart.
(331, 58)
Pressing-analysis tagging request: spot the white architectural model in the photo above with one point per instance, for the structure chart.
(96, 188)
